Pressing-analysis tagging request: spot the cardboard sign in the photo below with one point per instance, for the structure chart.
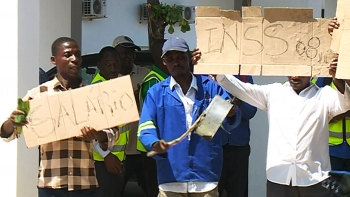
(283, 42)
(61, 115)
(340, 39)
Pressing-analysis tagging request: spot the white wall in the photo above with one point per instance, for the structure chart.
(9, 55)
(123, 16)
(27, 45)
(28, 61)
(123, 19)
(55, 21)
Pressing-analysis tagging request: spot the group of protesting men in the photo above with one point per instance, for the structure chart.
(170, 98)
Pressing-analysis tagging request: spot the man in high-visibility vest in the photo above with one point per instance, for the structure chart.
(108, 164)
(158, 73)
(339, 134)
(133, 163)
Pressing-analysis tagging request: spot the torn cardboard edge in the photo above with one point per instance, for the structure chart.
(340, 39)
(265, 70)
(254, 63)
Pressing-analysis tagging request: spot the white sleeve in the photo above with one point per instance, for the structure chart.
(98, 149)
(12, 137)
(339, 103)
(112, 135)
(256, 95)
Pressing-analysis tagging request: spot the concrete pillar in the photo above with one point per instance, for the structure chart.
(8, 87)
(76, 24)
(30, 27)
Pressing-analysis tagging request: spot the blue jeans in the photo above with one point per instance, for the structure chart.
(47, 192)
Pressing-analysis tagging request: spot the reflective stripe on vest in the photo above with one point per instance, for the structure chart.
(120, 145)
(151, 75)
(336, 130)
(336, 134)
(118, 148)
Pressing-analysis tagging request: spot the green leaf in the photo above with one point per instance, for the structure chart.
(157, 7)
(171, 29)
(24, 107)
(183, 29)
(183, 22)
(188, 27)
(164, 12)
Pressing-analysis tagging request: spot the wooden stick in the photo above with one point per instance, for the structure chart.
(183, 136)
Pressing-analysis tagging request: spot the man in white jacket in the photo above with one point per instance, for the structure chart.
(299, 113)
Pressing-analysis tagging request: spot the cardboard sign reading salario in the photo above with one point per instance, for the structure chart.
(283, 42)
(55, 116)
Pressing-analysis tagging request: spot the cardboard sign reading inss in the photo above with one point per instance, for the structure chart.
(286, 41)
(61, 115)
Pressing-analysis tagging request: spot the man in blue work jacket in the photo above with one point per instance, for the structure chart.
(171, 106)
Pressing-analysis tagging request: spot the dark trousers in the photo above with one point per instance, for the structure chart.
(340, 164)
(110, 185)
(133, 164)
(278, 190)
(150, 169)
(234, 175)
(48, 192)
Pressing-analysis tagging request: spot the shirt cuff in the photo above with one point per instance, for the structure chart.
(112, 136)
(220, 78)
(98, 149)
(12, 137)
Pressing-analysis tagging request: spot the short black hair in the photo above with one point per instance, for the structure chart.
(107, 49)
(58, 42)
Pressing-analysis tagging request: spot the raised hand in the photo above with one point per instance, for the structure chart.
(161, 146)
(334, 24)
(89, 133)
(17, 121)
(333, 67)
(196, 56)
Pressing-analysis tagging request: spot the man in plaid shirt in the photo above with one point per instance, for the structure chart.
(66, 166)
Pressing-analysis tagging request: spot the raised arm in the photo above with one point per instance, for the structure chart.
(255, 95)
(248, 111)
(340, 102)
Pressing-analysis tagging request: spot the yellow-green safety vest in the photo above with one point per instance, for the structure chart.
(120, 145)
(336, 135)
(151, 75)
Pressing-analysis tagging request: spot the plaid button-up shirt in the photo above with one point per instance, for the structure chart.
(66, 163)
